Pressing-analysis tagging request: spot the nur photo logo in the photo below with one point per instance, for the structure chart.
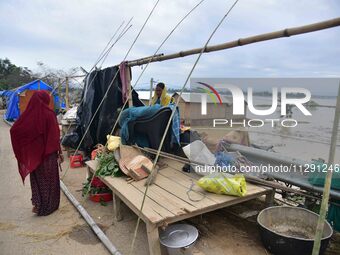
(280, 100)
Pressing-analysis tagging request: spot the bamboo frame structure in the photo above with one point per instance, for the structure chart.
(254, 39)
(242, 41)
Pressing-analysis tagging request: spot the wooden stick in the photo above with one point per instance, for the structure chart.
(166, 155)
(67, 99)
(152, 176)
(327, 187)
(128, 79)
(59, 92)
(150, 57)
(78, 76)
(243, 41)
(151, 88)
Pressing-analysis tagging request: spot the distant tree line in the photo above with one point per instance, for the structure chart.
(12, 76)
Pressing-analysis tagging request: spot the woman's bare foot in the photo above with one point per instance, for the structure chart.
(34, 209)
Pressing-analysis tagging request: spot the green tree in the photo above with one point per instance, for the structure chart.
(12, 76)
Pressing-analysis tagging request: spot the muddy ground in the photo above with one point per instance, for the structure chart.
(227, 231)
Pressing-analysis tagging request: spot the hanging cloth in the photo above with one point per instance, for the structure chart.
(125, 83)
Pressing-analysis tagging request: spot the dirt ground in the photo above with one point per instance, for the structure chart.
(228, 231)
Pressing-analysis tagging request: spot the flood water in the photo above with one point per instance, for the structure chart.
(310, 139)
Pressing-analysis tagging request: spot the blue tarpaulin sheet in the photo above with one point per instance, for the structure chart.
(6, 93)
(13, 111)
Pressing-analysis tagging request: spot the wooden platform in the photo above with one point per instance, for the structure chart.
(168, 199)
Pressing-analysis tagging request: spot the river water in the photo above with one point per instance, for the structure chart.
(310, 139)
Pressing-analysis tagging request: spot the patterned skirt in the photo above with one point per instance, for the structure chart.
(45, 186)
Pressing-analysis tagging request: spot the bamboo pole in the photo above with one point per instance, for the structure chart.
(243, 41)
(77, 76)
(100, 234)
(59, 92)
(66, 94)
(150, 57)
(151, 88)
(326, 191)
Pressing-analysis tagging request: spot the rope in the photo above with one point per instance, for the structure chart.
(191, 190)
(105, 95)
(170, 119)
(110, 85)
(119, 37)
(146, 66)
(140, 31)
(100, 55)
(104, 56)
(144, 69)
(94, 115)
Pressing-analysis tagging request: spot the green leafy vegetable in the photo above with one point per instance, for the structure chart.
(108, 166)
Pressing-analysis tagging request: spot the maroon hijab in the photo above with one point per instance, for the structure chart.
(35, 134)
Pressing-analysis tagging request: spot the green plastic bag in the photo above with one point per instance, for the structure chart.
(222, 183)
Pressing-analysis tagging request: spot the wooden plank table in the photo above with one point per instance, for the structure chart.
(168, 199)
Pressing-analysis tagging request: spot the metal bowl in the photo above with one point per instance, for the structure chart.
(291, 230)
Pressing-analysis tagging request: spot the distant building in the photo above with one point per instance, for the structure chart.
(144, 96)
(190, 107)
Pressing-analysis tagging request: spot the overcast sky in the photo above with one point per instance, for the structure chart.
(65, 34)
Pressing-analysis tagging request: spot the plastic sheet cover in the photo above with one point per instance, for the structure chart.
(96, 85)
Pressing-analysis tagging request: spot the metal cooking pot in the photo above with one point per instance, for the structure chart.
(291, 230)
(179, 239)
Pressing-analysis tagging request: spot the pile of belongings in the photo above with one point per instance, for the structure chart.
(131, 161)
(216, 181)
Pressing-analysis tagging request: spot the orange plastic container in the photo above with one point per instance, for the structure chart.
(76, 161)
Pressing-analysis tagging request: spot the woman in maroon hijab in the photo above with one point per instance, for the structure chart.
(35, 140)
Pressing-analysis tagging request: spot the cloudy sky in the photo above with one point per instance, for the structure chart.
(66, 34)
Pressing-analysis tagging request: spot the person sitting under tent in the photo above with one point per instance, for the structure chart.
(161, 97)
